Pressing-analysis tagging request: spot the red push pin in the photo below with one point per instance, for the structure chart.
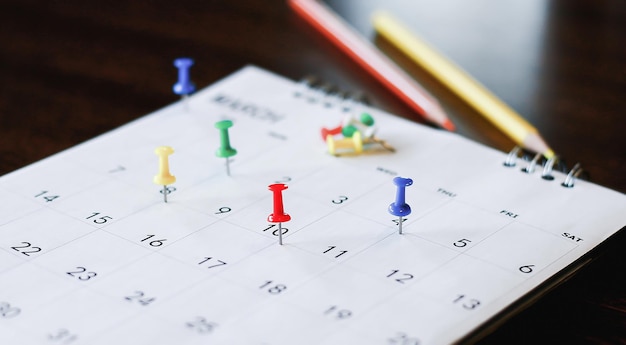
(278, 216)
(333, 131)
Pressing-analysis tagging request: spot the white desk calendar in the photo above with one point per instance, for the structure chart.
(90, 252)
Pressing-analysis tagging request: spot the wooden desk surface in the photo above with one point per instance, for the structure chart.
(72, 71)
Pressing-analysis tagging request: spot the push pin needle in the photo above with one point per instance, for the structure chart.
(382, 143)
(400, 208)
(164, 177)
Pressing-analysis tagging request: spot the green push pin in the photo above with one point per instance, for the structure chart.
(367, 119)
(225, 150)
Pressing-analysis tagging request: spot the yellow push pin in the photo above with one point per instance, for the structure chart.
(164, 177)
(353, 143)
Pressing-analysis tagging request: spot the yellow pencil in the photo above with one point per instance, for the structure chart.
(462, 84)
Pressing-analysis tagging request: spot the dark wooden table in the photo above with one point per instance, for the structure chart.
(71, 70)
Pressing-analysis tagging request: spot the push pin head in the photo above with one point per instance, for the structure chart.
(184, 86)
(332, 131)
(349, 130)
(400, 208)
(279, 215)
(368, 128)
(164, 177)
(225, 150)
(364, 124)
(366, 119)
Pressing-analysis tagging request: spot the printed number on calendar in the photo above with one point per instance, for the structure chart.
(62, 336)
(7, 311)
(153, 243)
(211, 262)
(272, 288)
(99, 220)
(201, 325)
(338, 313)
(466, 302)
(81, 274)
(26, 248)
(332, 250)
(400, 277)
(47, 196)
(139, 297)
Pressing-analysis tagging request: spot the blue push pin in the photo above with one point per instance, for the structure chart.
(184, 87)
(400, 208)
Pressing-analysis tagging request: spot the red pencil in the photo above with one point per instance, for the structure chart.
(369, 57)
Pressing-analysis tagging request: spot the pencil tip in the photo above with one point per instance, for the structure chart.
(533, 141)
(447, 124)
(549, 154)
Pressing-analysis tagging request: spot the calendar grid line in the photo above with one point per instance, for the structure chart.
(567, 251)
(520, 221)
(47, 251)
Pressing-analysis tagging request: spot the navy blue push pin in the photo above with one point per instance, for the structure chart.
(184, 87)
(400, 208)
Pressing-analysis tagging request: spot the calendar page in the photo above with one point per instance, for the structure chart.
(93, 251)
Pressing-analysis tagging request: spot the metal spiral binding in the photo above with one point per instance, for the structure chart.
(305, 88)
(533, 164)
(511, 159)
(547, 169)
(549, 165)
(315, 91)
(572, 175)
